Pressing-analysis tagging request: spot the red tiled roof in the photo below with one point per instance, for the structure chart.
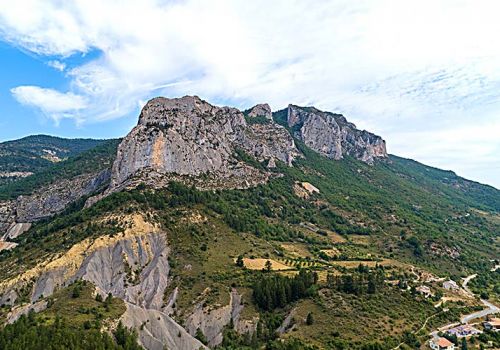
(443, 342)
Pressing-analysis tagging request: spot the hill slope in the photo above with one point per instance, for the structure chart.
(198, 254)
(19, 158)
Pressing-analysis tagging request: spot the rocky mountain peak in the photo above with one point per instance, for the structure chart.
(161, 111)
(333, 136)
(190, 137)
(260, 110)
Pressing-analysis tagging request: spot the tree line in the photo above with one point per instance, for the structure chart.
(362, 280)
(28, 333)
(271, 292)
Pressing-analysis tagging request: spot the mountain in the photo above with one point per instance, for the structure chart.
(23, 157)
(332, 135)
(207, 226)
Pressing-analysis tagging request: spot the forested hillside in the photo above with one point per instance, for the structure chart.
(19, 158)
(89, 161)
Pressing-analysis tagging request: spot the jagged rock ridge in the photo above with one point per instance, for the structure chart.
(190, 137)
(333, 136)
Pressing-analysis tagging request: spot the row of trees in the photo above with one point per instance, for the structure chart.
(28, 333)
(361, 281)
(270, 292)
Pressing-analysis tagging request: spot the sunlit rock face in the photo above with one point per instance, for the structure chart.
(333, 136)
(190, 137)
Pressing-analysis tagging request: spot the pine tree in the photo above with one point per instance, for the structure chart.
(268, 266)
(309, 319)
(239, 261)
(372, 286)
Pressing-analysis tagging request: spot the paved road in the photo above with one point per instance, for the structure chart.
(490, 307)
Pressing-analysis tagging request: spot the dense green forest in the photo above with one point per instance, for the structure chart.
(270, 292)
(28, 333)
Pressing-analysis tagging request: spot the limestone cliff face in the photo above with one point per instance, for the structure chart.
(333, 136)
(190, 137)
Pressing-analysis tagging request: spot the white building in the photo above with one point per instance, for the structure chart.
(440, 343)
(450, 285)
(425, 291)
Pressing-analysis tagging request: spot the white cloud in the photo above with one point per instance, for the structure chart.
(60, 66)
(53, 103)
(393, 67)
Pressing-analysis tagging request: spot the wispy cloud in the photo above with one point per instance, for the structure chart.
(53, 103)
(393, 67)
(60, 66)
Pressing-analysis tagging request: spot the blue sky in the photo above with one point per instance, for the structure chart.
(424, 75)
(22, 68)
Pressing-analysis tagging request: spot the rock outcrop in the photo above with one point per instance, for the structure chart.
(192, 138)
(212, 321)
(16, 215)
(333, 136)
(260, 110)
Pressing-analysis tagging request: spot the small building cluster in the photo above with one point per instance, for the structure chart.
(425, 291)
(463, 331)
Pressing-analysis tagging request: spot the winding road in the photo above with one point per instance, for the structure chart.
(490, 307)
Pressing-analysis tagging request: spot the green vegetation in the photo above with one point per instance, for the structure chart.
(257, 120)
(29, 334)
(395, 213)
(72, 320)
(361, 281)
(91, 161)
(77, 304)
(487, 285)
(270, 292)
(35, 153)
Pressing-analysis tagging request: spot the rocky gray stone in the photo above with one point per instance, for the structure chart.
(158, 331)
(14, 315)
(17, 215)
(260, 110)
(54, 198)
(333, 136)
(211, 321)
(17, 229)
(190, 137)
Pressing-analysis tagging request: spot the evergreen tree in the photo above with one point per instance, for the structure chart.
(201, 337)
(309, 319)
(268, 266)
